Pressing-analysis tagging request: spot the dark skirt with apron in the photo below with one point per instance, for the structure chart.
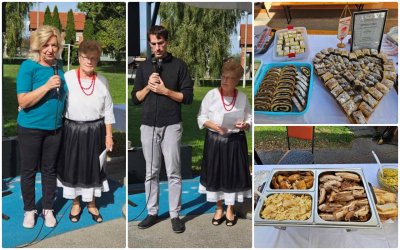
(79, 170)
(225, 166)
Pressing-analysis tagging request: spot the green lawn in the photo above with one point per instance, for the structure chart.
(274, 138)
(192, 135)
(115, 75)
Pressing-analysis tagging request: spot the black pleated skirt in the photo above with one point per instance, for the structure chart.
(225, 166)
(79, 164)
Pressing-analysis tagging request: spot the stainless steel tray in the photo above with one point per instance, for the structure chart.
(373, 222)
(260, 205)
(277, 170)
(315, 220)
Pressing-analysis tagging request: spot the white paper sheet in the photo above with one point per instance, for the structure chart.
(102, 158)
(231, 118)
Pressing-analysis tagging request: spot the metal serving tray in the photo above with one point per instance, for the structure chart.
(276, 171)
(260, 206)
(373, 222)
(315, 220)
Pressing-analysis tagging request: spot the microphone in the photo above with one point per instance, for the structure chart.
(55, 70)
(159, 65)
(154, 62)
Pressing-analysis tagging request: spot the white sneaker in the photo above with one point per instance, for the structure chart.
(49, 219)
(29, 219)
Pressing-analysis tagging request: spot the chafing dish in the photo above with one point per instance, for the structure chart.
(315, 220)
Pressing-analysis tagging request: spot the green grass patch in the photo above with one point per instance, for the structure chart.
(115, 75)
(192, 135)
(274, 138)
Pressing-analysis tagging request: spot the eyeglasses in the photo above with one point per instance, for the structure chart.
(92, 59)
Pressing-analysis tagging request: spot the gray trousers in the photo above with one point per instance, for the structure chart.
(167, 142)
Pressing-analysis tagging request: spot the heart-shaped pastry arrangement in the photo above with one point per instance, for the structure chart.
(357, 80)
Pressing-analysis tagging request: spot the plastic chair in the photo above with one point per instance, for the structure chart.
(294, 156)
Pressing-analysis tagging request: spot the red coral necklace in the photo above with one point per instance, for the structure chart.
(89, 90)
(227, 105)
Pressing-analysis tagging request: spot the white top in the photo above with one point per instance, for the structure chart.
(80, 107)
(212, 109)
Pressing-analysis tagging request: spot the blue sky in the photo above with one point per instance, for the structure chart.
(143, 31)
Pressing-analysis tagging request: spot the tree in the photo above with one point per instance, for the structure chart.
(111, 38)
(101, 10)
(70, 33)
(109, 25)
(14, 21)
(201, 37)
(48, 20)
(56, 19)
(88, 30)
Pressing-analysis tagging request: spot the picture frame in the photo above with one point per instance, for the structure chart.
(367, 29)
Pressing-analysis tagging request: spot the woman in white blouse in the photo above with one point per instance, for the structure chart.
(87, 133)
(225, 173)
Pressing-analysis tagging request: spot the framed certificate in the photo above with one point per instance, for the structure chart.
(368, 29)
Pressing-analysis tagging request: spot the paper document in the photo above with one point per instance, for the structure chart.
(231, 118)
(102, 158)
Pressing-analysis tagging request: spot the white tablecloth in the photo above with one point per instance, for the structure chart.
(268, 236)
(323, 107)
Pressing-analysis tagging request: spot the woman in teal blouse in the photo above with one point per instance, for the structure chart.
(41, 93)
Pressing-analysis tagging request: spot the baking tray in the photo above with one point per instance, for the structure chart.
(262, 71)
(316, 221)
(277, 170)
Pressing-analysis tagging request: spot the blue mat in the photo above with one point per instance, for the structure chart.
(193, 203)
(110, 205)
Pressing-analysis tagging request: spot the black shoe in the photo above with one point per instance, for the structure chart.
(149, 221)
(75, 218)
(96, 217)
(177, 225)
(231, 223)
(219, 221)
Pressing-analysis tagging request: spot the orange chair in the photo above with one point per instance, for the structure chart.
(299, 156)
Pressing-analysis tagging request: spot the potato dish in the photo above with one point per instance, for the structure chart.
(287, 207)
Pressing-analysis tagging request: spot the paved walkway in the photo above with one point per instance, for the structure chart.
(111, 234)
(200, 233)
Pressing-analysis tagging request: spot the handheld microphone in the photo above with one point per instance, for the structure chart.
(154, 62)
(159, 65)
(55, 69)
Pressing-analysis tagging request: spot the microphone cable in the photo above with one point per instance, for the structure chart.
(155, 70)
(55, 70)
(33, 242)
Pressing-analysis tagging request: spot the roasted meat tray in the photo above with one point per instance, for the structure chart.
(331, 198)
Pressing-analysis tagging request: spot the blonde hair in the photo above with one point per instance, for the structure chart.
(89, 46)
(40, 38)
(231, 65)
